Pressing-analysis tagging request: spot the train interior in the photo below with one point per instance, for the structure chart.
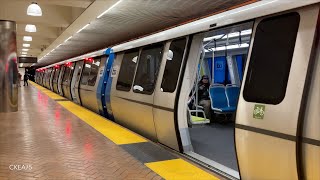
(212, 107)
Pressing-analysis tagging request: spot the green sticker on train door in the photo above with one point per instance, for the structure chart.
(258, 111)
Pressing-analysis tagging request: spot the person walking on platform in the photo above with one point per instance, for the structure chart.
(25, 79)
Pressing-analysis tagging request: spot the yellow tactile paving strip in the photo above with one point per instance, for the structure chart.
(176, 169)
(112, 131)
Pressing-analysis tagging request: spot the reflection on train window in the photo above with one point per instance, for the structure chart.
(56, 75)
(66, 74)
(148, 68)
(128, 67)
(271, 59)
(173, 64)
(85, 72)
(94, 71)
(79, 65)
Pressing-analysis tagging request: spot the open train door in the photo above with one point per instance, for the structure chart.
(271, 105)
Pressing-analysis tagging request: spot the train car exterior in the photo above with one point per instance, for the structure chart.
(145, 86)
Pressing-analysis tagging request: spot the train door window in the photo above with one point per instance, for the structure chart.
(94, 71)
(271, 58)
(79, 65)
(148, 68)
(127, 70)
(86, 72)
(71, 68)
(66, 74)
(173, 64)
(56, 75)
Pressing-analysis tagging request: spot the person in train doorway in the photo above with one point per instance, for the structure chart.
(203, 95)
(25, 79)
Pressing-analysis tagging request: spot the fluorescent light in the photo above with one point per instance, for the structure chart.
(109, 9)
(68, 39)
(34, 10)
(27, 38)
(83, 27)
(24, 53)
(26, 45)
(58, 46)
(235, 34)
(25, 49)
(31, 28)
(236, 46)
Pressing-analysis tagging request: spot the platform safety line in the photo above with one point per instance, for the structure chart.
(49, 93)
(179, 169)
(175, 169)
(116, 133)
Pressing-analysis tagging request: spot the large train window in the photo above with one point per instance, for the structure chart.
(148, 68)
(271, 58)
(127, 70)
(173, 64)
(86, 72)
(56, 75)
(94, 71)
(66, 74)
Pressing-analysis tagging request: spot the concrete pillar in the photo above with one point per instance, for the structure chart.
(8, 67)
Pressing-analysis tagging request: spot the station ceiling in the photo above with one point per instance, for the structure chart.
(124, 20)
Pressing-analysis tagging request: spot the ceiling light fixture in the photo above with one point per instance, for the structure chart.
(24, 53)
(109, 9)
(27, 38)
(68, 39)
(25, 49)
(83, 27)
(31, 28)
(26, 45)
(34, 10)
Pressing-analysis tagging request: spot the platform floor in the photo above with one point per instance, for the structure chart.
(53, 138)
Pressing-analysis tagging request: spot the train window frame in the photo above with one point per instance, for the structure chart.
(138, 76)
(123, 68)
(83, 76)
(170, 64)
(56, 75)
(258, 77)
(66, 74)
(95, 60)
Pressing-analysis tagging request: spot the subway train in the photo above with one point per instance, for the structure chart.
(262, 60)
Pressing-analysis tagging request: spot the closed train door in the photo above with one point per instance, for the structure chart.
(88, 83)
(270, 111)
(66, 80)
(75, 82)
(51, 76)
(62, 70)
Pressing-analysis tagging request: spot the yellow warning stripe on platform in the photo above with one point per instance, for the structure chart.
(49, 93)
(112, 131)
(179, 169)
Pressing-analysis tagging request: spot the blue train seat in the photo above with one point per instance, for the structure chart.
(219, 100)
(232, 93)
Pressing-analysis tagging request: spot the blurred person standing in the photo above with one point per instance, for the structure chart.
(25, 79)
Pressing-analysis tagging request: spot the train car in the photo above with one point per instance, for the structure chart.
(259, 119)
